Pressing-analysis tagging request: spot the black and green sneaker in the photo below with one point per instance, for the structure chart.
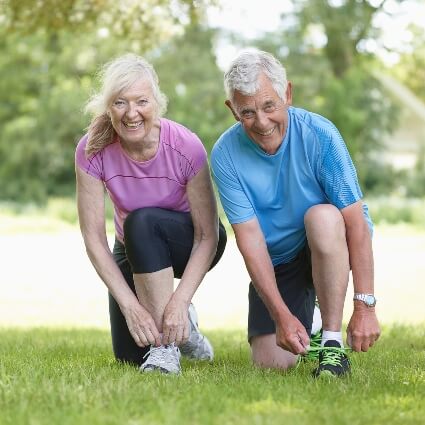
(314, 348)
(332, 360)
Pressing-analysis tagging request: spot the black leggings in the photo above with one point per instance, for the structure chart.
(155, 239)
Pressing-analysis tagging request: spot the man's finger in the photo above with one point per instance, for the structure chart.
(356, 344)
(349, 340)
(297, 346)
(304, 339)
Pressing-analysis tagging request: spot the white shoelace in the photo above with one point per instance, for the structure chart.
(163, 356)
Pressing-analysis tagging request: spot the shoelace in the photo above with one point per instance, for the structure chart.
(158, 355)
(331, 356)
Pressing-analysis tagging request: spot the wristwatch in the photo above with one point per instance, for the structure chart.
(368, 299)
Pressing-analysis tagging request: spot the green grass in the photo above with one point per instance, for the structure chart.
(56, 376)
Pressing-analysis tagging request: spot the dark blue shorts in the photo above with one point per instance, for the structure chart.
(295, 284)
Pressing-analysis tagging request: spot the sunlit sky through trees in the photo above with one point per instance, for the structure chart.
(251, 19)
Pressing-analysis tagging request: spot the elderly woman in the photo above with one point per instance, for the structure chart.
(166, 225)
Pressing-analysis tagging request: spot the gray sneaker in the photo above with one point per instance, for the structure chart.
(165, 359)
(197, 347)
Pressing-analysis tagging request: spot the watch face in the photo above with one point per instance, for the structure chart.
(370, 300)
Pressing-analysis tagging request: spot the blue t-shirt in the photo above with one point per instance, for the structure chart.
(312, 166)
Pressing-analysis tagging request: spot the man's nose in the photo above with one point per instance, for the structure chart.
(261, 118)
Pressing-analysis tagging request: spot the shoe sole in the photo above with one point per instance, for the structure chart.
(159, 370)
(327, 374)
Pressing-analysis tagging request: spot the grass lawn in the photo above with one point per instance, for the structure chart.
(60, 376)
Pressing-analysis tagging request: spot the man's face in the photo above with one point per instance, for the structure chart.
(263, 115)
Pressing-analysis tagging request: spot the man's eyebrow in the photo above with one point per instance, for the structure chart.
(246, 109)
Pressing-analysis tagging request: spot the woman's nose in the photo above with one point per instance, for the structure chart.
(131, 111)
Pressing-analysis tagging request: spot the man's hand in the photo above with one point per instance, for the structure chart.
(291, 335)
(175, 324)
(363, 329)
(141, 326)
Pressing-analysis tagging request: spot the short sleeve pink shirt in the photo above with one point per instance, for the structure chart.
(160, 182)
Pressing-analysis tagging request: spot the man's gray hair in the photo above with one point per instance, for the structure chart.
(244, 71)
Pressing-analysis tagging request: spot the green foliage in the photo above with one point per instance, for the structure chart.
(194, 83)
(50, 51)
(50, 376)
(141, 23)
(45, 81)
(345, 24)
(395, 210)
(411, 67)
(415, 179)
(334, 77)
(47, 71)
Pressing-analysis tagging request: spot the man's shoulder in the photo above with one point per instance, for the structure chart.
(309, 118)
(320, 127)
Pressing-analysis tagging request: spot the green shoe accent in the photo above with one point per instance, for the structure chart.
(314, 348)
(332, 360)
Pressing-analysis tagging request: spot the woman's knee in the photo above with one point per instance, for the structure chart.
(140, 219)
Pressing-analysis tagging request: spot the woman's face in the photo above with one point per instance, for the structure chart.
(134, 112)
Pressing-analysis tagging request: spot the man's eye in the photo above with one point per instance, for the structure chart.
(270, 108)
(247, 114)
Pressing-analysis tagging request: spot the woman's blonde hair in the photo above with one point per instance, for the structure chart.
(116, 76)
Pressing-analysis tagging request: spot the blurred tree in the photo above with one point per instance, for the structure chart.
(143, 22)
(48, 59)
(411, 67)
(322, 46)
(190, 77)
(45, 80)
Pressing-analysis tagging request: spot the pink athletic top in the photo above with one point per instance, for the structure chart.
(160, 182)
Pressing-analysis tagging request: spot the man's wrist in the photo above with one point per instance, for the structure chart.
(361, 307)
(367, 299)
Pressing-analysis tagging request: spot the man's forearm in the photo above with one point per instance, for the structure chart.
(361, 261)
(260, 268)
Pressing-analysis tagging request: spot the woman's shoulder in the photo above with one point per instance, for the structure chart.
(177, 134)
(182, 143)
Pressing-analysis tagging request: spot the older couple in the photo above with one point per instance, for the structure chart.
(288, 187)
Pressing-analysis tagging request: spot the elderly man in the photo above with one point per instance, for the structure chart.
(290, 191)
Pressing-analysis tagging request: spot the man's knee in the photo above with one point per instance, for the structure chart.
(323, 215)
(266, 354)
(324, 225)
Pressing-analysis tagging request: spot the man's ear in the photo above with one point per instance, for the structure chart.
(229, 105)
(289, 94)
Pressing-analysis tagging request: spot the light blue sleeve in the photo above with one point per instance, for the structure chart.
(233, 198)
(337, 172)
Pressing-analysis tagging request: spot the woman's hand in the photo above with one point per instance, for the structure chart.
(175, 324)
(141, 325)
